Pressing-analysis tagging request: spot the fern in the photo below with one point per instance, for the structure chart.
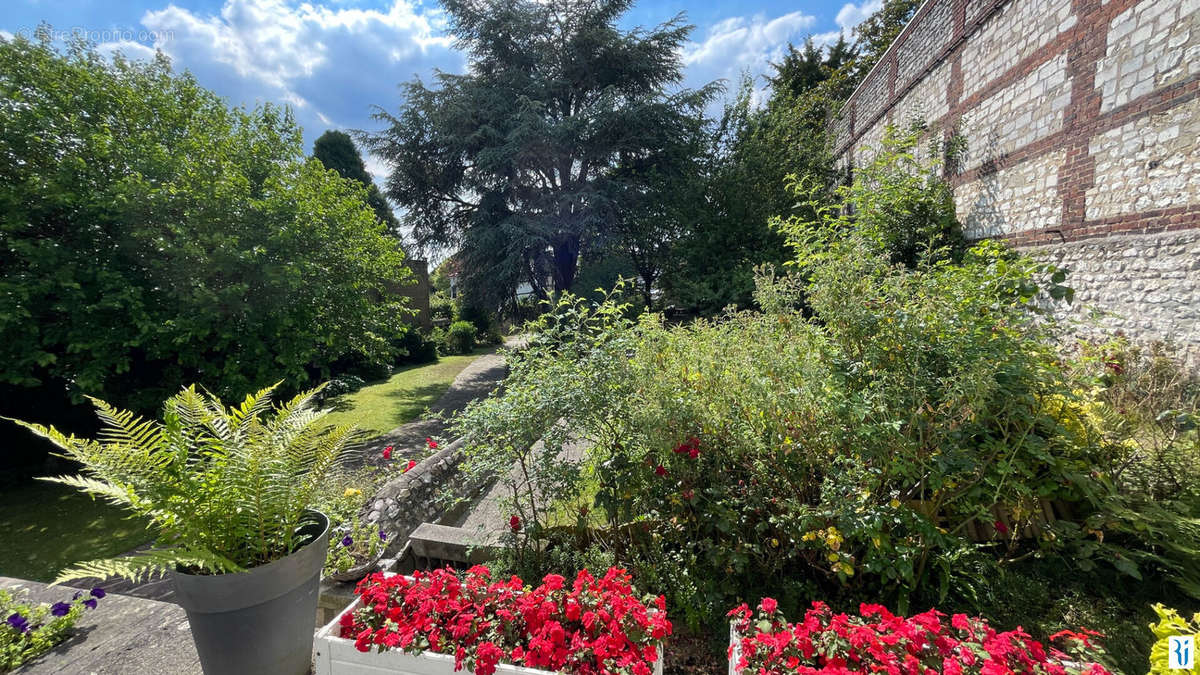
(225, 489)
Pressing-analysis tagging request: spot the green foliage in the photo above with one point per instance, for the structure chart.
(1143, 405)
(366, 542)
(225, 489)
(336, 150)
(745, 169)
(514, 161)
(460, 338)
(1170, 624)
(877, 32)
(45, 630)
(846, 453)
(898, 203)
(150, 236)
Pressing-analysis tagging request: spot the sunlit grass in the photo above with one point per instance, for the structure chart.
(45, 527)
(382, 406)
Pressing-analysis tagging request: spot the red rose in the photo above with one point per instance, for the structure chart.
(514, 523)
(431, 443)
(387, 452)
(660, 470)
(408, 467)
(1000, 527)
(768, 605)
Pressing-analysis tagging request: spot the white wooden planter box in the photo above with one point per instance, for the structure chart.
(335, 655)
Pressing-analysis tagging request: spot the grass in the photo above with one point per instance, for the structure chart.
(382, 406)
(45, 527)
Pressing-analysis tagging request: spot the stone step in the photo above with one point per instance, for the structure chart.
(436, 545)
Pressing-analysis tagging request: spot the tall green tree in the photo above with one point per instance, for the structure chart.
(877, 32)
(152, 236)
(514, 163)
(751, 154)
(336, 150)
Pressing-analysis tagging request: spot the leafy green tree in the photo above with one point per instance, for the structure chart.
(150, 236)
(336, 150)
(513, 163)
(877, 32)
(751, 154)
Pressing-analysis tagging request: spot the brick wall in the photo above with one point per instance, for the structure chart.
(1082, 120)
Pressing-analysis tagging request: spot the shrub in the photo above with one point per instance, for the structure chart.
(460, 337)
(342, 385)
(30, 630)
(224, 488)
(898, 204)
(237, 260)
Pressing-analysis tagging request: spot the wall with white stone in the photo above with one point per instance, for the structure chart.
(1025, 111)
(1146, 164)
(1146, 285)
(1081, 120)
(1011, 199)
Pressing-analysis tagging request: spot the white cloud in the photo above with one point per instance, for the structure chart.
(742, 45)
(848, 17)
(329, 63)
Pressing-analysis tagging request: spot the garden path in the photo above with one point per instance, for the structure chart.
(474, 382)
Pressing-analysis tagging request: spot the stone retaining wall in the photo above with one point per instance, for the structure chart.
(419, 496)
(1146, 282)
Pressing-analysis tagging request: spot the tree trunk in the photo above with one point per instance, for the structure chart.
(647, 288)
(566, 261)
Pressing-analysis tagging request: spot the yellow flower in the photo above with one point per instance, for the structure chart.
(352, 492)
(774, 542)
(895, 503)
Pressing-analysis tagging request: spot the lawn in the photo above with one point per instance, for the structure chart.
(382, 406)
(45, 527)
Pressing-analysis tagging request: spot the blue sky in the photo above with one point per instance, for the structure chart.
(331, 60)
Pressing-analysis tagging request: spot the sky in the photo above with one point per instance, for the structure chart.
(332, 60)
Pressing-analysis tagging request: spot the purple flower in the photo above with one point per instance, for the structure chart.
(346, 540)
(60, 608)
(18, 622)
(382, 535)
(98, 593)
(90, 603)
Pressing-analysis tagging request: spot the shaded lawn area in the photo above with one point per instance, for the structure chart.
(382, 406)
(45, 527)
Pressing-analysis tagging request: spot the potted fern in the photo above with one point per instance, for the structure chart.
(227, 491)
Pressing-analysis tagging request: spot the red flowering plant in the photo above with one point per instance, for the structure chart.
(876, 640)
(592, 627)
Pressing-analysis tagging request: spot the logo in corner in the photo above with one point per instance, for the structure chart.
(1181, 652)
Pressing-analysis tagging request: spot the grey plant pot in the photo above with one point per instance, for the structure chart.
(261, 621)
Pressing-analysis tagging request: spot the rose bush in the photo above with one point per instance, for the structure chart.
(592, 627)
(876, 640)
